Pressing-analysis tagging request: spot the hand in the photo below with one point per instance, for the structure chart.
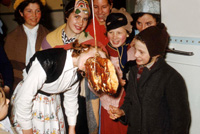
(29, 131)
(115, 112)
(72, 130)
(122, 82)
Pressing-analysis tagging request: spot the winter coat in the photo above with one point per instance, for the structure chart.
(158, 102)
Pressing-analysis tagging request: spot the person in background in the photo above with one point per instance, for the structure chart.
(26, 38)
(35, 117)
(102, 9)
(6, 72)
(5, 126)
(118, 25)
(156, 99)
(77, 13)
(146, 13)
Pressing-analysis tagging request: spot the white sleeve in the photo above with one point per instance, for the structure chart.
(71, 104)
(26, 93)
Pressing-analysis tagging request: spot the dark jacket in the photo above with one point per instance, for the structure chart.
(158, 103)
(5, 68)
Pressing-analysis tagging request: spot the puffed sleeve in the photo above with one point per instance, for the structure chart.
(71, 104)
(23, 101)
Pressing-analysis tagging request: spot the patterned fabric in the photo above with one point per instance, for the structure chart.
(140, 70)
(65, 38)
(120, 52)
(55, 38)
(45, 121)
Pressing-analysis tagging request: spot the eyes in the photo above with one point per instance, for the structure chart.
(118, 32)
(104, 6)
(30, 11)
(79, 17)
(147, 23)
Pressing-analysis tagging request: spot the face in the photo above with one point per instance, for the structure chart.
(117, 36)
(31, 15)
(84, 56)
(141, 53)
(76, 23)
(101, 10)
(145, 21)
(4, 109)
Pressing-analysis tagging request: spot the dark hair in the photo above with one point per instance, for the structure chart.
(138, 15)
(18, 18)
(69, 8)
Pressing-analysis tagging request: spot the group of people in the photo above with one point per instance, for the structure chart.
(151, 97)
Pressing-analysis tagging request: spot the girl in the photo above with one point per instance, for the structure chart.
(26, 39)
(50, 72)
(118, 25)
(76, 15)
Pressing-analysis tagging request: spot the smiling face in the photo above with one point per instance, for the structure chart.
(76, 23)
(141, 53)
(117, 36)
(31, 15)
(145, 21)
(101, 10)
(85, 55)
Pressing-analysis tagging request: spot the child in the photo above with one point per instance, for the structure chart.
(51, 72)
(5, 126)
(118, 25)
(156, 100)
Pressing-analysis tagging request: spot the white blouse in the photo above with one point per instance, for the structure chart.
(31, 41)
(67, 82)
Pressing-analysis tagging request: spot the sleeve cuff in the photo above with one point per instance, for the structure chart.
(71, 121)
(25, 124)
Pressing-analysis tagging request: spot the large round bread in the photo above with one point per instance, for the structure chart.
(101, 75)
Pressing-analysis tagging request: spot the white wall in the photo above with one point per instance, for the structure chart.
(182, 18)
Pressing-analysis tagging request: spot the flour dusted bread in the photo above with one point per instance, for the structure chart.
(101, 75)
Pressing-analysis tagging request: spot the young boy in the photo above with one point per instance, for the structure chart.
(156, 100)
(5, 126)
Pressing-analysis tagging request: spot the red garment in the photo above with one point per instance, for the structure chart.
(100, 32)
(108, 126)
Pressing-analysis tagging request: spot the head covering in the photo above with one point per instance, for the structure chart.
(18, 2)
(82, 6)
(2, 98)
(119, 18)
(147, 6)
(155, 38)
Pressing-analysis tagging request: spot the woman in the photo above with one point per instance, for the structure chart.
(39, 78)
(26, 39)
(102, 9)
(145, 16)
